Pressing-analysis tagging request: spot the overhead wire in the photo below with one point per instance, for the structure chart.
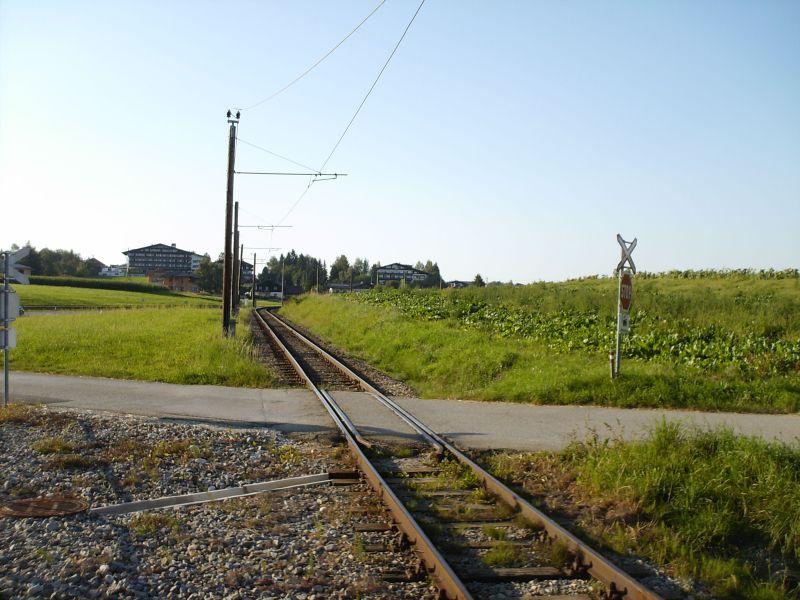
(316, 64)
(372, 87)
(294, 162)
(355, 114)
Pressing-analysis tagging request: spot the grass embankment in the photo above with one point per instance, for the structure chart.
(179, 345)
(130, 284)
(710, 505)
(64, 296)
(714, 344)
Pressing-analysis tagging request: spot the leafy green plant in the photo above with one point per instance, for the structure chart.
(566, 330)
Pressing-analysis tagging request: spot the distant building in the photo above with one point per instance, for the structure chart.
(196, 260)
(399, 272)
(23, 269)
(340, 288)
(247, 272)
(458, 284)
(177, 281)
(160, 257)
(114, 271)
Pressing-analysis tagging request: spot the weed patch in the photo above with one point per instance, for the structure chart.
(54, 445)
(148, 524)
(72, 462)
(495, 533)
(503, 554)
(20, 414)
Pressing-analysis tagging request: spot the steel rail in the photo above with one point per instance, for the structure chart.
(619, 583)
(440, 570)
(412, 422)
(346, 420)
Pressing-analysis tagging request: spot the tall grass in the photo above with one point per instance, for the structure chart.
(710, 504)
(445, 358)
(179, 345)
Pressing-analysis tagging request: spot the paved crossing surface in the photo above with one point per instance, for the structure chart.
(470, 424)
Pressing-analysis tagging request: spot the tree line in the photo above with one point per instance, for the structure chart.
(302, 273)
(59, 262)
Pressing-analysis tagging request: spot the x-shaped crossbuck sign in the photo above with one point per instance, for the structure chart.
(627, 250)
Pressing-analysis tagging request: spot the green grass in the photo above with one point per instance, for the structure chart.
(178, 345)
(445, 358)
(146, 524)
(54, 445)
(504, 554)
(64, 296)
(709, 504)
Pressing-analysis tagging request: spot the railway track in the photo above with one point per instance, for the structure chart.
(469, 530)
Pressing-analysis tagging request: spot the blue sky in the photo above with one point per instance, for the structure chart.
(514, 139)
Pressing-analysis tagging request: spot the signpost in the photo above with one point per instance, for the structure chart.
(9, 309)
(625, 270)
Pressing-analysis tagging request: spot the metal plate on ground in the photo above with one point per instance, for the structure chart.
(42, 507)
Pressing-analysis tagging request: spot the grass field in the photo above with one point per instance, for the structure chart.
(709, 505)
(62, 296)
(716, 344)
(178, 345)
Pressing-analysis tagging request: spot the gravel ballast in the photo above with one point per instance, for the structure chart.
(289, 544)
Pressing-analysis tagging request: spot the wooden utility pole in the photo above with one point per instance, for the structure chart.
(239, 275)
(235, 269)
(253, 288)
(227, 266)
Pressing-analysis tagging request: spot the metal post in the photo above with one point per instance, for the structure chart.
(624, 266)
(6, 322)
(236, 258)
(619, 324)
(253, 288)
(227, 265)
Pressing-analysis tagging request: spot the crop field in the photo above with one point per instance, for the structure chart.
(65, 296)
(713, 342)
(176, 345)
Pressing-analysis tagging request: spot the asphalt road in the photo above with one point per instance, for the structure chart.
(479, 425)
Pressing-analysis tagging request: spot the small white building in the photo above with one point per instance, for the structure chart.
(114, 271)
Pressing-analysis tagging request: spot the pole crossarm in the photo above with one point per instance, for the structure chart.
(627, 250)
(265, 226)
(314, 174)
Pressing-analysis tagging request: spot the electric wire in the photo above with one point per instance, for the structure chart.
(294, 162)
(312, 67)
(372, 87)
(355, 114)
